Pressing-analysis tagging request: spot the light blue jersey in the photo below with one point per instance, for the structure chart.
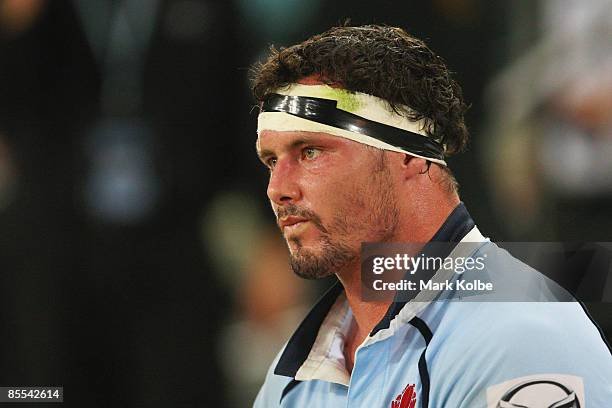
(448, 354)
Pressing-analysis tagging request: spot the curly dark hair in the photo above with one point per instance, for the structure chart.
(378, 60)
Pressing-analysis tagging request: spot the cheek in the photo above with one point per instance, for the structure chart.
(326, 199)
(341, 193)
(348, 203)
(361, 201)
(320, 189)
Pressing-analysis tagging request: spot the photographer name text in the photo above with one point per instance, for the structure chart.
(460, 284)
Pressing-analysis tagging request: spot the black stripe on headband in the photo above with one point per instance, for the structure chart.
(325, 111)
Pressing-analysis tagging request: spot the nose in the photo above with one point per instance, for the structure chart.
(283, 186)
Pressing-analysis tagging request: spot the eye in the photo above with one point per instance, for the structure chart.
(271, 162)
(310, 153)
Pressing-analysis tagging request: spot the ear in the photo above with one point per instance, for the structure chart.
(413, 166)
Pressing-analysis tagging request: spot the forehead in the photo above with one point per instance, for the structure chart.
(278, 140)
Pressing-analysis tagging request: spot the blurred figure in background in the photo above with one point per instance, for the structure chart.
(113, 115)
(550, 146)
(552, 118)
(252, 262)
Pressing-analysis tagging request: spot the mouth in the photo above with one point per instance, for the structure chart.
(290, 225)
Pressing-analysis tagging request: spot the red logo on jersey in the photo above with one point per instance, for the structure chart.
(406, 399)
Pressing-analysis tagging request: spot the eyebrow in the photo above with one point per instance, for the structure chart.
(263, 154)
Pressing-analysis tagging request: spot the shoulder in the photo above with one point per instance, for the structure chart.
(507, 343)
(484, 351)
(521, 327)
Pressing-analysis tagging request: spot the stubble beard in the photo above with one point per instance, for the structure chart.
(338, 254)
(333, 257)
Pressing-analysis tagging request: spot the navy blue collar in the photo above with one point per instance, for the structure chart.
(456, 226)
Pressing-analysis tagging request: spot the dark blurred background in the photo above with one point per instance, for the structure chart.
(139, 261)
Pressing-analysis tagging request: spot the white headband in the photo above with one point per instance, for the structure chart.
(366, 106)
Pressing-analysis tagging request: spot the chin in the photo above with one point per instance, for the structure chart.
(309, 266)
(314, 244)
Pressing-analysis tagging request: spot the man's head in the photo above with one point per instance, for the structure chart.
(382, 61)
(331, 193)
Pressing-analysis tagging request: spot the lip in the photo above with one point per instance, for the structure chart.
(290, 221)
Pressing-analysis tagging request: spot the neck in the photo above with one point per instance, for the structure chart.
(367, 314)
(419, 227)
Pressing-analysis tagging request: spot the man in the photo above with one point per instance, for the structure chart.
(355, 125)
